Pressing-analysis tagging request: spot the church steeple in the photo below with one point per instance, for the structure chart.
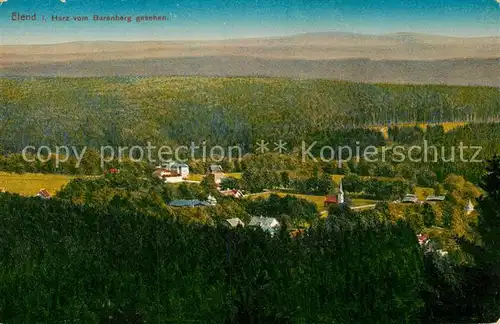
(340, 194)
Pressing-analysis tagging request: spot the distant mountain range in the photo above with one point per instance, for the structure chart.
(397, 58)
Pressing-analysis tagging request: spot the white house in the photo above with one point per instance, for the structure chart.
(211, 200)
(267, 224)
(180, 168)
(233, 222)
(215, 168)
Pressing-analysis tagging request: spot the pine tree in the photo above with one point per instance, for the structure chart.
(488, 258)
(489, 208)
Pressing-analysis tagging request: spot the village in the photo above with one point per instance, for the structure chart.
(175, 173)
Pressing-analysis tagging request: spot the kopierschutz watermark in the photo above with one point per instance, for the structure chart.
(396, 153)
(217, 153)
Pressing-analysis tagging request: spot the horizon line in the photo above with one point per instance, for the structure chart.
(339, 33)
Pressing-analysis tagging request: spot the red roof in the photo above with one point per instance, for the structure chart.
(171, 175)
(113, 170)
(330, 200)
(165, 173)
(44, 193)
(231, 192)
(422, 238)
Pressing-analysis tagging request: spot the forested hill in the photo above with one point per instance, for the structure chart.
(223, 111)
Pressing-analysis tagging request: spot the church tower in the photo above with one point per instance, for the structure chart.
(340, 194)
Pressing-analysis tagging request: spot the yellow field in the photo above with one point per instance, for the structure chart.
(337, 177)
(236, 175)
(28, 184)
(195, 177)
(423, 192)
(356, 202)
(448, 126)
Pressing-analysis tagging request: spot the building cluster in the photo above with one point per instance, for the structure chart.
(428, 246)
(413, 199)
(172, 172)
(267, 224)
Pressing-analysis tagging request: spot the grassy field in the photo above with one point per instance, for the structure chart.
(317, 200)
(199, 177)
(448, 126)
(28, 184)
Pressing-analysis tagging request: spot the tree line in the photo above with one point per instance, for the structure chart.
(114, 264)
(95, 112)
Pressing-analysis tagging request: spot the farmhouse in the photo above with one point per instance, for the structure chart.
(410, 198)
(180, 168)
(167, 176)
(188, 203)
(44, 194)
(216, 170)
(435, 198)
(232, 193)
(267, 224)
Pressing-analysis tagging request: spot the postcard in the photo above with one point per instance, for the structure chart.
(249, 161)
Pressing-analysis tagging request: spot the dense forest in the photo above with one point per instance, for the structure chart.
(175, 111)
(109, 250)
(222, 111)
(443, 158)
(63, 261)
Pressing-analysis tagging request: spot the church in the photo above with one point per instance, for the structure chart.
(335, 200)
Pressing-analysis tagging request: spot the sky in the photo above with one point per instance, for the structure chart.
(226, 19)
